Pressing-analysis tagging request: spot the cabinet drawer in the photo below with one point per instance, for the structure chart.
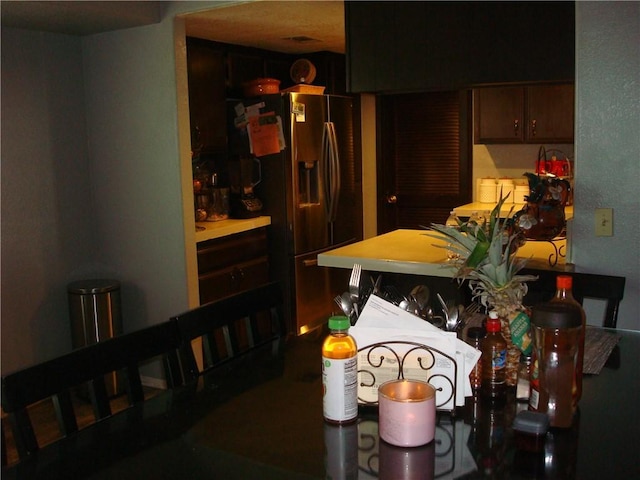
(224, 252)
(233, 279)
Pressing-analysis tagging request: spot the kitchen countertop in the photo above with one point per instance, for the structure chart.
(413, 252)
(400, 251)
(469, 208)
(224, 228)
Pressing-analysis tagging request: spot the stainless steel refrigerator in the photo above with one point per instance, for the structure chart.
(313, 192)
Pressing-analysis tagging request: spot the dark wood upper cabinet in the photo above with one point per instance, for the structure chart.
(530, 114)
(550, 113)
(420, 46)
(207, 92)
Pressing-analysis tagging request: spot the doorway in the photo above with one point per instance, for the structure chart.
(424, 156)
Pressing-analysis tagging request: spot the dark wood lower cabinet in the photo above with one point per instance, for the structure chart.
(232, 264)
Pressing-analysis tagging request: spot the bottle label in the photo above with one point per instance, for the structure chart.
(340, 385)
(520, 326)
(534, 399)
(499, 360)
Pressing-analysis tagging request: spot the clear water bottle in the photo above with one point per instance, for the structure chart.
(452, 221)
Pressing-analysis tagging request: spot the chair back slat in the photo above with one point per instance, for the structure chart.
(231, 324)
(87, 366)
(65, 413)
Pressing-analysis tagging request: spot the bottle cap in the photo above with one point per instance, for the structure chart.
(564, 281)
(493, 323)
(339, 322)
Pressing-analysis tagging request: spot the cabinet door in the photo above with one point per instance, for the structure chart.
(232, 264)
(550, 113)
(499, 115)
(243, 67)
(207, 110)
(235, 279)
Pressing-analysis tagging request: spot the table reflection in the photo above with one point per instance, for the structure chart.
(478, 442)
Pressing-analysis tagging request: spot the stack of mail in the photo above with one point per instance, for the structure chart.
(383, 322)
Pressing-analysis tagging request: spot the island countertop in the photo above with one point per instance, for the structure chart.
(400, 251)
(415, 252)
(481, 207)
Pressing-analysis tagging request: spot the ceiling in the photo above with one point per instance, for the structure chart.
(284, 26)
(78, 18)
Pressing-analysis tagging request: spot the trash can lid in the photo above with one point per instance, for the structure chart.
(93, 286)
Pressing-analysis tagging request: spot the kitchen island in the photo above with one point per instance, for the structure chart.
(416, 253)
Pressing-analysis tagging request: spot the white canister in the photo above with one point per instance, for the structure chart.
(487, 190)
(505, 187)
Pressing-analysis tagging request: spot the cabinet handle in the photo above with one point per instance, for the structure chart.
(237, 275)
(310, 263)
(533, 127)
(516, 127)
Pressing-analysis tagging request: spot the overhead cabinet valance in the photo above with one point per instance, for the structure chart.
(417, 46)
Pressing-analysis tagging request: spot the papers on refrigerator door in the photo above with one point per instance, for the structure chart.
(397, 337)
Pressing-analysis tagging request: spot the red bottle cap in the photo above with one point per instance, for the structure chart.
(493, 325)
(564, 281)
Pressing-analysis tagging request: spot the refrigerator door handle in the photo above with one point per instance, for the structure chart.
(336, 168)
(331, 162)
(327, 170)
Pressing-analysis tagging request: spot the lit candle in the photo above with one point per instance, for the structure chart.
(407, 412)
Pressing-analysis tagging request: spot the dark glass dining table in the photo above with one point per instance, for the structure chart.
(261, 418)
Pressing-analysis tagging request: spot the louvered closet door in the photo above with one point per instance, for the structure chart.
(424, 157)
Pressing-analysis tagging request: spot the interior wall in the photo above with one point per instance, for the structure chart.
(91, 179)
(48, 213)
(132, 112)
(608, 145)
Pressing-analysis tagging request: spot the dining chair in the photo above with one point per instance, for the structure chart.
(229, 328)
(58, 380)
(609, 288)
(3, 455)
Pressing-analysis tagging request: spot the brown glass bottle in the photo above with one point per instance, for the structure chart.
(494, 361)
(564, 294)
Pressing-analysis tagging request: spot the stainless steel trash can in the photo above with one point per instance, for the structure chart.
(95, 311)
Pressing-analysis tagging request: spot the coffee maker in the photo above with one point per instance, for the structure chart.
(245, 172)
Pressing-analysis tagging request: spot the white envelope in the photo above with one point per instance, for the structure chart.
(382, 322)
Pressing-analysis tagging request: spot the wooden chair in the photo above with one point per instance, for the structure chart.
(585, 285)
(59, 377)
(230, 328)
